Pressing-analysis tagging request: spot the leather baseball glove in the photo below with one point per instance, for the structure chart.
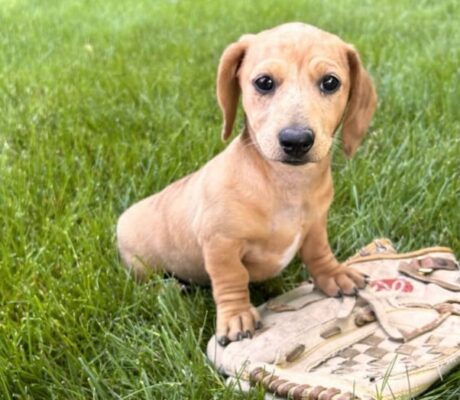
(394, 339)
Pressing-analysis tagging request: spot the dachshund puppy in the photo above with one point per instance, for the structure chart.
(245, 214)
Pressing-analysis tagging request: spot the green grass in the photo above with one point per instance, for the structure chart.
(104, 102)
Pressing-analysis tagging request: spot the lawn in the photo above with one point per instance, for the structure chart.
(104, 102)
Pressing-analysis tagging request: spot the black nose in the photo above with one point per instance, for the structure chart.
(296, 142)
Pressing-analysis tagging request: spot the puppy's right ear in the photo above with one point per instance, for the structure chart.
(228, 89)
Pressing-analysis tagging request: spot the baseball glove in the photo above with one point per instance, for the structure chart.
(393, 340)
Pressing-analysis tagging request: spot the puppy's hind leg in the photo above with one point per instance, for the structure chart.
(136, 242)
(135, 265)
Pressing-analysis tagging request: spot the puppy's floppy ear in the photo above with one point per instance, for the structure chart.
(228, 89)
(362, 103)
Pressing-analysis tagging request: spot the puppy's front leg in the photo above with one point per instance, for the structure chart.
(236, 317)
(328, 274)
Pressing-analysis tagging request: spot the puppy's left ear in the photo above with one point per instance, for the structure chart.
(362, 103)
(228, 89)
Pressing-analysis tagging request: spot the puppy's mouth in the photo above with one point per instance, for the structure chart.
(295, 161)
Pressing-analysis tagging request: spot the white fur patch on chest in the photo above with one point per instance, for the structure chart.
(290, 252)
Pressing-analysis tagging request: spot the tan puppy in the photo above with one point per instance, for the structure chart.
(246, 213)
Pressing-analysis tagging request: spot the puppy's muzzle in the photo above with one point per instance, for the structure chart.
(296, 142)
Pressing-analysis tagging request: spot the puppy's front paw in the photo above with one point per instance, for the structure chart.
(341, 281)
(236, 325)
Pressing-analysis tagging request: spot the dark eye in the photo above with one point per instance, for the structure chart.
(264, 84)
(329, 84)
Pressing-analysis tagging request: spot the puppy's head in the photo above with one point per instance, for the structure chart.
(298, 84)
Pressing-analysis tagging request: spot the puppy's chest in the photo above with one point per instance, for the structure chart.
(285, 233)
(288, 229)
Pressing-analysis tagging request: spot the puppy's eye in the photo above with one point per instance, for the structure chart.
(329, 84)
(264, 84)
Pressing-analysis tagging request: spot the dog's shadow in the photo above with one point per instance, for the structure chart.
(261, 292)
